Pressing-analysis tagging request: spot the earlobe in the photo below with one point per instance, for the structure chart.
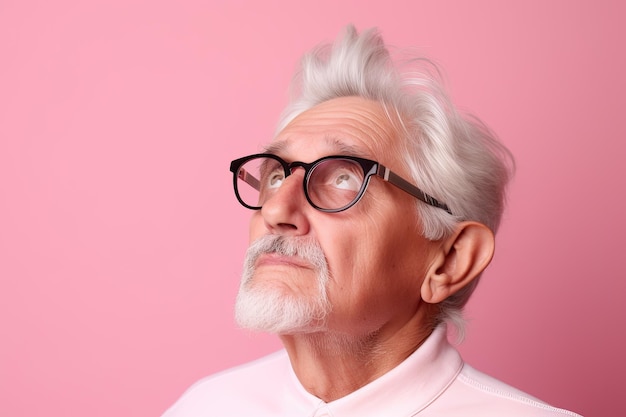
(460, 259)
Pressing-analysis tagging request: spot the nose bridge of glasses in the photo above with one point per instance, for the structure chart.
(297, 164)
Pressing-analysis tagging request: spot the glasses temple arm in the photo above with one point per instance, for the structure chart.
(393, 178)
(248, 178)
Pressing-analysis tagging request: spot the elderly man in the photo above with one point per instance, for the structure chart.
(375, 208)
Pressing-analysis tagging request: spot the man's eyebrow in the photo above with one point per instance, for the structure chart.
(336, 147)
(275, 148)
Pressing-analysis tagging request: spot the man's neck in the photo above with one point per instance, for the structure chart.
(331, 366)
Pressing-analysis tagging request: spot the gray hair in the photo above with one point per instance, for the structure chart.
(453, 157)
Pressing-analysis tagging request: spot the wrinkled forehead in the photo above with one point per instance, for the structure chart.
(345, 126)
(327, 144)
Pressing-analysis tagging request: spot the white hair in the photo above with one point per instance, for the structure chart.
(454, 158)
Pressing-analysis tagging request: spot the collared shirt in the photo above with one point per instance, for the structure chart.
(433, 381)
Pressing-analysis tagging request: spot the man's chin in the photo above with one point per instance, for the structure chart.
(276, 313)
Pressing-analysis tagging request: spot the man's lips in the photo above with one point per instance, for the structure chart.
(269, 259)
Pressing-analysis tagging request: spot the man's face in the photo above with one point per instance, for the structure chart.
(373, 256)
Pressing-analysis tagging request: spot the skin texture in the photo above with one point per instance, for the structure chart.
(384, 276)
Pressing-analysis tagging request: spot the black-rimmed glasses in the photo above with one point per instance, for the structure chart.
(331, 184)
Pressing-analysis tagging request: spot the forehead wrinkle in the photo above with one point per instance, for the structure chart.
(375, 127)
(369, 125)
(345, 120)
(334, 143)
(347, 149)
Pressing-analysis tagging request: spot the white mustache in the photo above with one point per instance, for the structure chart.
(305, 248)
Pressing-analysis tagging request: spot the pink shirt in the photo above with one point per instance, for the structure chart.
(433, 381)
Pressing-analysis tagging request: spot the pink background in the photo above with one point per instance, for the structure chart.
(121, 241)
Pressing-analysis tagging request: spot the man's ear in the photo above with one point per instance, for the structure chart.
(460, 258)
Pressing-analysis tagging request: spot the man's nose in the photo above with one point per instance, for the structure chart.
(285, 212)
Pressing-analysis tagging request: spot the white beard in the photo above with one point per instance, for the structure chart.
(271, 309)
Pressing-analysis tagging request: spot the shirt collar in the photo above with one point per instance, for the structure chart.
(413, 384)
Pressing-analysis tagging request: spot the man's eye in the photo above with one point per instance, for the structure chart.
(347, 181)
(275, 179)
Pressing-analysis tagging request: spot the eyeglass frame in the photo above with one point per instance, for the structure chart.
(370, 168)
